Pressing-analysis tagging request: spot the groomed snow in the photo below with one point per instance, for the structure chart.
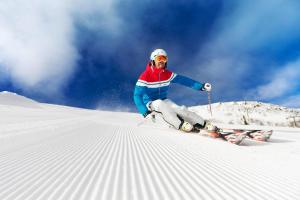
(57, 152)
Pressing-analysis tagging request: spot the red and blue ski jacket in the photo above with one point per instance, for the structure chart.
(154, 83)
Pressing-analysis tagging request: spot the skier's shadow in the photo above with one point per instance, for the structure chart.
(253, 143)
(269, 142)
(272, 140)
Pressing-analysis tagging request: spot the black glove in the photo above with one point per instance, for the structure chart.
(147, 113)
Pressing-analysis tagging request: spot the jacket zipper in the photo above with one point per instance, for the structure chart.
(159, 83)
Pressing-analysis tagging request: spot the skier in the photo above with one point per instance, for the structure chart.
(150, 95)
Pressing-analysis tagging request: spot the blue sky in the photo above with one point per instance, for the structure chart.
(89, 54)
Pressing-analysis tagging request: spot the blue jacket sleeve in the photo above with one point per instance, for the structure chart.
(139, 92)
(187, 82)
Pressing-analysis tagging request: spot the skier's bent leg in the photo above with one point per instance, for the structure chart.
(187, 115)
(197, 121)
(169, 115)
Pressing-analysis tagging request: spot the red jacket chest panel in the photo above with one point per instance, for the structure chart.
(155, 75)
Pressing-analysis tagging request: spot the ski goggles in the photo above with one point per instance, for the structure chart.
(161, 58)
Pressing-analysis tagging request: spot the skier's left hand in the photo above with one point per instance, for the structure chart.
(206, 87)
(147, 114)
(150, 116)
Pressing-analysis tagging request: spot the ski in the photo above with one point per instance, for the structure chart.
(258, 135)
(231, 137)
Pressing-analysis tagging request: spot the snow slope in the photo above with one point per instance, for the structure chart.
(58, 152)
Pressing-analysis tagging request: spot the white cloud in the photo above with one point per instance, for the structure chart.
(37, 47)
(253, 24)
(284, 81)
(36, 43)
(227, 57)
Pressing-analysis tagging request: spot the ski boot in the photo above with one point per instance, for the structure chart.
(186, 127)
(208, 127)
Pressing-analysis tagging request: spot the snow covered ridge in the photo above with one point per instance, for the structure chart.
(250, 113)
(13, 99)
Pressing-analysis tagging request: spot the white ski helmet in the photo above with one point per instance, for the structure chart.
(158, 52)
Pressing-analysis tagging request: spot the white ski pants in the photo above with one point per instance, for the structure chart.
(170, 112)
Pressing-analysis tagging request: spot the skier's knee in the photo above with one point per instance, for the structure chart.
(158, 103)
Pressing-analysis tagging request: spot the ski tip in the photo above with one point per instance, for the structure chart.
(235, 138)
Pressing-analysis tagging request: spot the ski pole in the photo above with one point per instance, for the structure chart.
(209, 102)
